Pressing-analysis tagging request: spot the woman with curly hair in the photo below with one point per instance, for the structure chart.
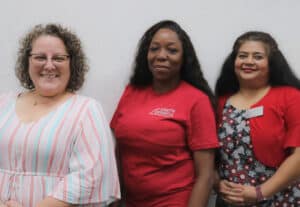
(165, 124)
(259, 126)
(56, 146)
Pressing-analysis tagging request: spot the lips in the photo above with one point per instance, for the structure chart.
(248, 70)
(49, 75)
(160, 67)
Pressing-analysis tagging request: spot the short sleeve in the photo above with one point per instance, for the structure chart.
(292, 118)
(121, 103)
(92, 177)
(202, 132)
(6, 99)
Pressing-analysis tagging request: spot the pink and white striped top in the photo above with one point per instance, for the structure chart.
(67, 154)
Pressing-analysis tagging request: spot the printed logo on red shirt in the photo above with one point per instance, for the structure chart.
(165, 112)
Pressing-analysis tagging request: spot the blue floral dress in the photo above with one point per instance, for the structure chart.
(238, 163)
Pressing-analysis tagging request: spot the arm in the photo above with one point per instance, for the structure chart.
(52, 202)
(204, 168)
(288, 172)
(47, 202)
(118, 203)
(2, 204)
(217, 181)
(92, 176)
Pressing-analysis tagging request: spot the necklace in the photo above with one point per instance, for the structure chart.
(47, 100)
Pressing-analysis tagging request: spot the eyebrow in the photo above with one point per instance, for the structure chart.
(169, 43)
(255, 53)
(43, 54)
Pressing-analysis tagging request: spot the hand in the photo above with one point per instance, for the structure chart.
(230, 192)
(2, 204)
(12, 203)
(249, 194)
(237, 194)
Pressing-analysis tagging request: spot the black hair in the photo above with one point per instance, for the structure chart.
(280, 73)
(190, 70)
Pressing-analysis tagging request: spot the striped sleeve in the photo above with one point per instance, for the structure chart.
(93, 174)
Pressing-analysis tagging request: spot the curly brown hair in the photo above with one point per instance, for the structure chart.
(78, 63)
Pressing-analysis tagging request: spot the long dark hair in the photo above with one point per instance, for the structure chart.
(280, 73)
(190, 71)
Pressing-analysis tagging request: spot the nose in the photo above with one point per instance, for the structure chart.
(249, 60)
(162, 55)
(49, 64)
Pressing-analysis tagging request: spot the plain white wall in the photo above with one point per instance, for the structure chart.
(111, 29)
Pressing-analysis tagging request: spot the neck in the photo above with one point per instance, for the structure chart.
(40, 99)
(163, 87)
(252, 91)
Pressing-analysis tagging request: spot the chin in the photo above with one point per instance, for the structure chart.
(248, 77)
(48, 92)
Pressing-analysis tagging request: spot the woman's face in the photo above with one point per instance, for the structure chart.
(165, 56)
(251, 63)
(49, 65)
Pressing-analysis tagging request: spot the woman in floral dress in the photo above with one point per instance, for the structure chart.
(259, 128)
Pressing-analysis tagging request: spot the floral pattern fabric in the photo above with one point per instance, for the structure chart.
(238, 163)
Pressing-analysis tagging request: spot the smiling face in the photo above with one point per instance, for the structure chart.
(49, 66)
(165, 57)
(251, 63)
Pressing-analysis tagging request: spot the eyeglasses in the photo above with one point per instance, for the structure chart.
(41, 59)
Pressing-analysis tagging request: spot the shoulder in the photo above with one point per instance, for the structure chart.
(86, 103)
(281, 90)
(284, 93)
(87, 109)
(192, 92)
(7, 96)
(132, 91)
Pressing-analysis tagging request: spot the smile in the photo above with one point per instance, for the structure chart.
(161, 67)
(49, 75)
(248, 70)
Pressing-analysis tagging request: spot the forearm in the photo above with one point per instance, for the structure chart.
(288, 172)
(201, 191)
(52, 202)
(216, 181)
(204, 171)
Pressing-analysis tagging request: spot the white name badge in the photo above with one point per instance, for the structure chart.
(254, 112)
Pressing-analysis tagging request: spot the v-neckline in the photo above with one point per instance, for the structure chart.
(43, 117)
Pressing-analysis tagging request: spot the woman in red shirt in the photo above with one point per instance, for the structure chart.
(165, 124)
(259, 128)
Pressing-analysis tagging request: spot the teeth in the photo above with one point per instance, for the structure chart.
(49, 75)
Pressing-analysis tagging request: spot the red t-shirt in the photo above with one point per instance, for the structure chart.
(278, 128)
(156, 135)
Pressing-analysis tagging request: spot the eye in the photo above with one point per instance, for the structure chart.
(173, 50)
(258, 57)
(39, 57)
(242, 56)
(153, 48)
(59, 58)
